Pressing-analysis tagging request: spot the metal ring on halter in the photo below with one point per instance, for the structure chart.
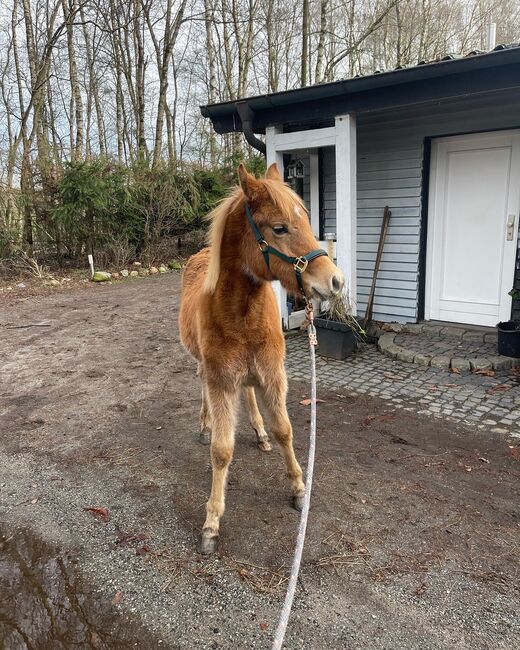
(300, 264)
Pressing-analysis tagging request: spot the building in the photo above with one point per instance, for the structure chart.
(439, 143)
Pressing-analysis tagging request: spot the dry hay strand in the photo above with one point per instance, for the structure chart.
(344, 550)
(117, 456)
(406, 564)
(262, 579)
(175, 566)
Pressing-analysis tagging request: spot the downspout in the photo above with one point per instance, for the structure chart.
(246, 117)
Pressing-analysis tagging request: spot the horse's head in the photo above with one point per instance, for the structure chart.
(279, 223)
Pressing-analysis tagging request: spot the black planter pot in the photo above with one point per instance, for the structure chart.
(335, 340)
(509, 338)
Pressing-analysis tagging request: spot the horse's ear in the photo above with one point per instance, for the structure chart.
(248, 182)
(273, 172)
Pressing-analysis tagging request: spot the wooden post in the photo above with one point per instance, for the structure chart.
(274, 156)
(346, 212)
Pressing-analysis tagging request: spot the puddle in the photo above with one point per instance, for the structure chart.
(44, 604)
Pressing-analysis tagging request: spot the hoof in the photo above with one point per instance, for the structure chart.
(205, 437)
(298, 502)
(208, 542)
(264, 445)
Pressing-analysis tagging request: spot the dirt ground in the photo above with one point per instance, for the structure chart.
(414, 532)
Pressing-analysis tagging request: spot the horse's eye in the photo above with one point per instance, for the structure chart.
(280, 230)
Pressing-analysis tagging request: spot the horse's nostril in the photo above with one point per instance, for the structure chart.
(337, 284)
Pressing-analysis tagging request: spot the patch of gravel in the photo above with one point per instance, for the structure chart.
(217, 610)
(101, 410)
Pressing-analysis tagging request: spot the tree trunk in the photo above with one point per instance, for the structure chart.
(305, 44)
(209, 18)
(318, 74)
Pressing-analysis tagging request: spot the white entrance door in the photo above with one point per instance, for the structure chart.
(473, 227)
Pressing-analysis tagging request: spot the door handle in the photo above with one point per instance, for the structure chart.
(510, 227)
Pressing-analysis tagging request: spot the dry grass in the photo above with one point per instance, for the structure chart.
(343, 550)
(406, 564)
(262, 579)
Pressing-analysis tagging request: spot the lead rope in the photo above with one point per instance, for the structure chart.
(295, 569)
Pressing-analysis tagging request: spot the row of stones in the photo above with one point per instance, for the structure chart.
(449, 331)
(387, 345)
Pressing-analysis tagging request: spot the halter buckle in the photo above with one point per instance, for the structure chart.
(263, 246)
(300, 264)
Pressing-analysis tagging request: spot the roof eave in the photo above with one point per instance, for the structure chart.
(226, 119)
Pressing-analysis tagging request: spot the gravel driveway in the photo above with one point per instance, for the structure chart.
(413, 538)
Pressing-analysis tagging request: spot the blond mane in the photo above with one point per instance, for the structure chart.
(283, 197)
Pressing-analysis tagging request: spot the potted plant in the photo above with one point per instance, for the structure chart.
(509, 333)
(337, 330)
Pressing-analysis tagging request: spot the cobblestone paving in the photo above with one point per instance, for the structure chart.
(476, 400)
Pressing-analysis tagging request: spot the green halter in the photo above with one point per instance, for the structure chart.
(299, 263)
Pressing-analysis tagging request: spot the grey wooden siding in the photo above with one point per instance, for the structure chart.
(390, 168)
(328, 189)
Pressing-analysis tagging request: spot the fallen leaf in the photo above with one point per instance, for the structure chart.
(99, 513)
(306, 402)
(484, 460)
(143, 550)
(468, 468)
(390, 375)
(127, 538)
(485, 372)
(450, 385)
(55, 478)
(117, 598)
(501, 388)
(420, 589)
(158, 428)
(35, 500)
(455, 371)
(515, 452)
(264, 625)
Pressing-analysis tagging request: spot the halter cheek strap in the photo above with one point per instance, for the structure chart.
(299, 263)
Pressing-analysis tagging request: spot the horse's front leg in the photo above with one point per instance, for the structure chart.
(223, 406)
(274, 392)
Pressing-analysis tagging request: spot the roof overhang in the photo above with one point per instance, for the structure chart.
(468, 76)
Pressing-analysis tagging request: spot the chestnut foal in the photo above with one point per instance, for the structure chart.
(230, 322)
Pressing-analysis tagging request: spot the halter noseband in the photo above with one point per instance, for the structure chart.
(299, 263)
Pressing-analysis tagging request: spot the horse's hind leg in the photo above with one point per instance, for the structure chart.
(205, 413)
(205, 419)
(256, 420)
(223, 417)
(274, 394)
